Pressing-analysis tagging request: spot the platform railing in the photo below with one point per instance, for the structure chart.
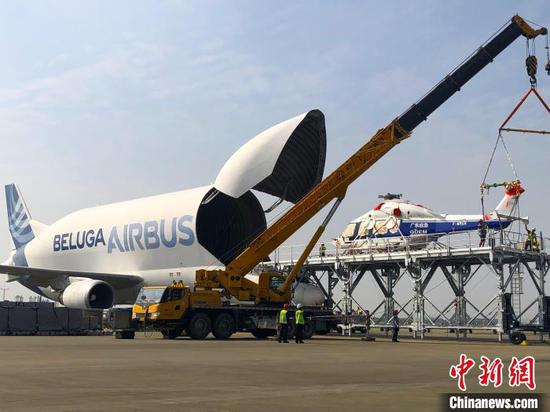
(407, 244)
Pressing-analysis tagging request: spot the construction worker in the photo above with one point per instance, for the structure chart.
(322, 250)
(395, 325)
(282, 321)
(529, 240)
(368, 323)
(532, 242)
(300, 322)
(482, 231)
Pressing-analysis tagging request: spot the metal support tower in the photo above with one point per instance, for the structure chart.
(455, 262)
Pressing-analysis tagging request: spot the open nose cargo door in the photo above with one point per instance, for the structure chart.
(286, 160)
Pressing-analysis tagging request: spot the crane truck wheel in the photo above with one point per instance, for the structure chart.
(125, 334)
(262, 333)
(308, 331)
(291, 329)
(171, 333)
(199, 326)
(224, 326)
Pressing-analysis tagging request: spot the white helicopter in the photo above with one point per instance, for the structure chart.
(397, 222)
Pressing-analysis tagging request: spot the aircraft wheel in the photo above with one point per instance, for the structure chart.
(224, 326)
(200, 326)
(309, 330)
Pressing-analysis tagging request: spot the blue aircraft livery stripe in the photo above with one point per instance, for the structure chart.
(19, 257)
(18, 217)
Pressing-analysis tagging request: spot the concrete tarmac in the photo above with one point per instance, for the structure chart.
(100, 373)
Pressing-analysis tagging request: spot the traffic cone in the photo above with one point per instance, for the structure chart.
(524, 343)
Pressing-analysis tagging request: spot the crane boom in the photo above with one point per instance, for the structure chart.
(335, 185)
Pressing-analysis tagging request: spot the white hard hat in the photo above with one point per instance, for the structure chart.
(299, 305)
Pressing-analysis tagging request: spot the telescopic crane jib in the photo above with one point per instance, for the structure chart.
(335, 185)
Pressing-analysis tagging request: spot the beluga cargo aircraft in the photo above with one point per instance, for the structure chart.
(101, 256)
(399, 222)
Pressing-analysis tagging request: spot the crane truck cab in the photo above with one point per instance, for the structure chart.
(170, 302)
(175, 308)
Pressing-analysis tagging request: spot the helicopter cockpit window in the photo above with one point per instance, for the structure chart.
(351, 231)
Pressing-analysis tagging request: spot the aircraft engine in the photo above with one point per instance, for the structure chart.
(305, 293)
(88, 294)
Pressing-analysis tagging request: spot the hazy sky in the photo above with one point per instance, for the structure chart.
(106, 101)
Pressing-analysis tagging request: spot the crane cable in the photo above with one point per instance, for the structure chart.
(531, 65)
(483, 185)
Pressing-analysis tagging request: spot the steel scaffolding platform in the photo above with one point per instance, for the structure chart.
(455, 258)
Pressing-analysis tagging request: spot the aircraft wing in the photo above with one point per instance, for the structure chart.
(114, 279)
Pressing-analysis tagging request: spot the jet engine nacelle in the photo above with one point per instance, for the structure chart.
(88, 294)
(306, 294)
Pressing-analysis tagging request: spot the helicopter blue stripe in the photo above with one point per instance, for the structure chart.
(422, 227)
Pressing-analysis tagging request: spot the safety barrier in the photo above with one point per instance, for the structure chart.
(44, 318)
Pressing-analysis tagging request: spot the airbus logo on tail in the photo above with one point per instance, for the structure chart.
(133, 236)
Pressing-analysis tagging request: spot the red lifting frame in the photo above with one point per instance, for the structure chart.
(506, 129)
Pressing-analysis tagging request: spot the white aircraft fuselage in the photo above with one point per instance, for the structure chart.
(153, 237)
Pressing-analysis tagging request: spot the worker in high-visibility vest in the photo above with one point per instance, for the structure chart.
(300, 322)
(282, 320)
(534, 241)
(322, 250)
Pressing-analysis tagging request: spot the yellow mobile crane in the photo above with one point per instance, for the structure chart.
(200, 310)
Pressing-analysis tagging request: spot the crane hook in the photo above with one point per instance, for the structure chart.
(531, 65)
